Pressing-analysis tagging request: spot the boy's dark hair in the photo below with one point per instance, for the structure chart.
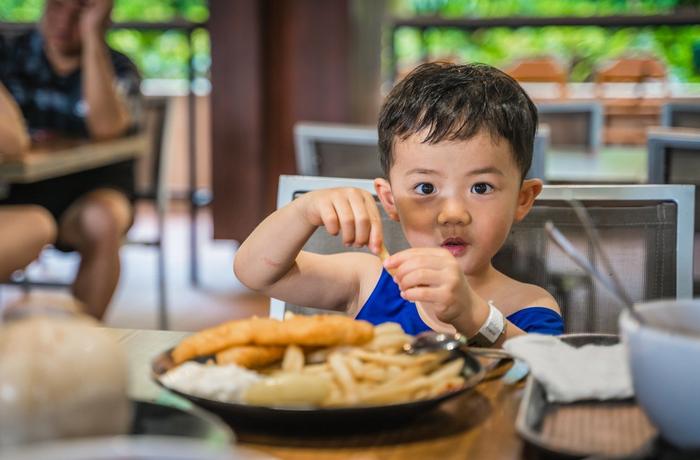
(455, 102)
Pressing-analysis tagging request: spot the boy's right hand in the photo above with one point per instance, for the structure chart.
(352, 212)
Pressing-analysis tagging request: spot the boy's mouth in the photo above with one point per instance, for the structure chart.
(456, 246)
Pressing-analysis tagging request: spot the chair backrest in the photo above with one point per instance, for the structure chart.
(674, 158)
(680, 115)
(575, 125)
(646, 231)
(152, 168)
(337, 150)
(344, 150)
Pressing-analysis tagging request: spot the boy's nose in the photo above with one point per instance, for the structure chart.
(454, 212)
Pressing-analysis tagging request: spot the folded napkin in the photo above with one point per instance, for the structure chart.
(572, 374)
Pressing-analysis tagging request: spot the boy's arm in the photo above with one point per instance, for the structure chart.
(14, 138)
(270, 260)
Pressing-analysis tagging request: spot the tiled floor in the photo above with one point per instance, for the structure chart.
(219, 297)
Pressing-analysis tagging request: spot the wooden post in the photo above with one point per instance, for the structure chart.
(274, 62)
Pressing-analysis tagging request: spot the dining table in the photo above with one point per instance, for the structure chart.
(60, 156)
(478, 424)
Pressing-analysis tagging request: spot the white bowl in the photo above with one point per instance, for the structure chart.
(664, 358)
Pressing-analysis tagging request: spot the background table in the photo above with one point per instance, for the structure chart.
(479, 424)
(611, 165)
(61, 157)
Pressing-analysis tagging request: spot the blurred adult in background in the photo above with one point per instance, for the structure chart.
(67, 82)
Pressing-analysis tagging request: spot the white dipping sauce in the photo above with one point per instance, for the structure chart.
(225, 383)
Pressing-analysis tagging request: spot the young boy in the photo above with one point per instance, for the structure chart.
(455, 144)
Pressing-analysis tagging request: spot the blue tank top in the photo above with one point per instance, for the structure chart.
(386, 304)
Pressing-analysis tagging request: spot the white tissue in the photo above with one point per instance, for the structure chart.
(573, 374)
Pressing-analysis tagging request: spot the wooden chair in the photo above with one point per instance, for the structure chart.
(637, 70)
(540, 70)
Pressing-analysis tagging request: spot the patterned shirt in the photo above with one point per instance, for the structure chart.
(54, 103)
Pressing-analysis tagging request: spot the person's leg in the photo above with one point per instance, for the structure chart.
(24, 231)
(95, 226)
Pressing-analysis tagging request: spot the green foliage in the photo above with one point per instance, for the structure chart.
(581, 49)
(501, 8)
(158, 54)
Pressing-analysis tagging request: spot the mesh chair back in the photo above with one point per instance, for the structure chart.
(348, 160)
(680, 115)
(337, 150)
(639, 239)
(674, 158)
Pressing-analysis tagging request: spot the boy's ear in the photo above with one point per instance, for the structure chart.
(526, 198)
(383, 189)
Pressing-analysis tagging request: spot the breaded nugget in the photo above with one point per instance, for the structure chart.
(250, 356)
(214, 339)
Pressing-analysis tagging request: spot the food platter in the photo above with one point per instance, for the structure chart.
(240, 415)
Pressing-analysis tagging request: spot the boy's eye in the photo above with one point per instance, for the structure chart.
(424, 188)
(481, 188)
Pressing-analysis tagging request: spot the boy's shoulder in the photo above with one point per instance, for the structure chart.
(515, 295)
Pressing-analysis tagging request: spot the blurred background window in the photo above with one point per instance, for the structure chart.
(581, 48)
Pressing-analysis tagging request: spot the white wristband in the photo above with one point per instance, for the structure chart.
(491, 330)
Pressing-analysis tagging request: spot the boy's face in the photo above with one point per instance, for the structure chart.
(460, 195)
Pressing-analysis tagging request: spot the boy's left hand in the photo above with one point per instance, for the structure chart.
(433, 277)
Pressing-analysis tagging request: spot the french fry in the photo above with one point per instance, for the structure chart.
(293, 360)
(383, 255)
(450, 369)
(373, 373)
(390, 393)
(388, 328)
(395, 360)
(344, 377)
(289, 389)
(388, 343)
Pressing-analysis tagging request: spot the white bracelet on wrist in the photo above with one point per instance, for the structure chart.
(491, 330)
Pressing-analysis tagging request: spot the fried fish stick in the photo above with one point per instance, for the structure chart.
(311, 331)
(314, 331)
(250, 356)
(214, 339)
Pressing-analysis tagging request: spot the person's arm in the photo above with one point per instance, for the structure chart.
(270, 260)
(107, 114)
(14, 138)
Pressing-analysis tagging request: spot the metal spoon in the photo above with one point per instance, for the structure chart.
(431, 341)
(613, 283)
